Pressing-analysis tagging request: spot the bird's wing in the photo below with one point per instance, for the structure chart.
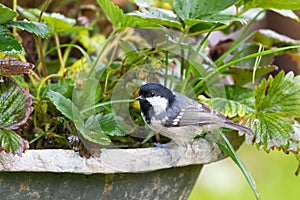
(195, 113)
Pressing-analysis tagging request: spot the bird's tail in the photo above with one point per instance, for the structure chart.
(238, 127)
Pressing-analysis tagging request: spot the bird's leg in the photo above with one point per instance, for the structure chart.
(157, 137)
(192, 147)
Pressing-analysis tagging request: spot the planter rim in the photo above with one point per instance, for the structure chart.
(112, 160)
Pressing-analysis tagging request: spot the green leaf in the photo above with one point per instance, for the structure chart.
(7, 14)
(243, 75)
(69, 110)
(93, 126)
(64, 105)
(15, 105)
(238, 101)
(216, 21)
(12, 142)
(32, 27)
(57, 22)
(277, 103)
(270, 39)
(121, 20)
(8, 44)
(272, 129)
(274, 4)
(112, 125)
(191, 9)
(280, 94)
(158, 16)
(242, 72)
(30, 13)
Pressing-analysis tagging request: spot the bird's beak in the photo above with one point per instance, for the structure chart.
(138, 98)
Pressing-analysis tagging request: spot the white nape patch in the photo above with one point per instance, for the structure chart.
(159, 104)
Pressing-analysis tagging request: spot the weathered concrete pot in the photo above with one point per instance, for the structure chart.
(144, 173)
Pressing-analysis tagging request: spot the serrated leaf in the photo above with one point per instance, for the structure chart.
(112, 125)
(270, 38)
(108, 124)
(121, 20)
(57, 22)
(30, 13)
(277, 103)
(7, 14)
(217, 21)
(158, 16)
(68, 109)
(229, 108)
(11, 142)
(280, 94)
(191, 9)
(8, 44)
(64, 105)
(272, 129)
(15, 105)
(60, 23)
(32, 27)
(238, 101)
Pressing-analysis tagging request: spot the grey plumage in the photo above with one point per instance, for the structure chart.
(183, 118)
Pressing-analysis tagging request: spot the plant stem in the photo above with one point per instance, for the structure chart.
(60, 57)
(15, 3)
(40, 42)
(43, 83)
(108, 40)
(106, 103)
(225, 66)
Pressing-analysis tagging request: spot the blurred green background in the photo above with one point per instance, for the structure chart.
(274, 174)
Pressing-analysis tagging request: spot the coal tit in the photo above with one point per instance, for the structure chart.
(178, 117)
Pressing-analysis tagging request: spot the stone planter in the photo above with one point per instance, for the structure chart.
(144, 173)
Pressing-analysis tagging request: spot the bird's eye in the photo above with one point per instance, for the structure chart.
(152, 94)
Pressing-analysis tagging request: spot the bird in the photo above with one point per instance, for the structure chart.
(179, 117)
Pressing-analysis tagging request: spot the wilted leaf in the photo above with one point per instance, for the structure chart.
(15, 105)
(11, 142)
(14, 67)
(7, 14)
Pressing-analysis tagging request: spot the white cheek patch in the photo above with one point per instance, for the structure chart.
(159, 104)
